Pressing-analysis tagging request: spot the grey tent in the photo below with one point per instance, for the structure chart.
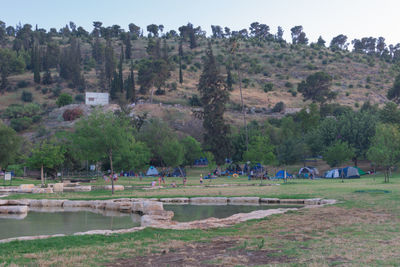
(308, 171)
(152, 171)
(332, 174)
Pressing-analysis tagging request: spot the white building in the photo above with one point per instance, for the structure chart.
(92, 98)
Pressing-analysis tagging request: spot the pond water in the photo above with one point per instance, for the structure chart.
(63, 222)
(186, 213)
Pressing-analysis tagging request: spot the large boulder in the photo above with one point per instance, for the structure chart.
(244, 200)
(58, 188)
(116, 187)
(151, 206)
(112, 205)
(38, 190)
(3, 202)
(76, 204)
(312, 201)
(292, 201)
(13, 209)
(26, 186)
(209, 200)
(137, 207)
(18, 202)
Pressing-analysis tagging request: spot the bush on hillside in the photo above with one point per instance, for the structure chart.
(26, 96)
(72, 114)
(20, 124)
(64, 99)
(279, 107)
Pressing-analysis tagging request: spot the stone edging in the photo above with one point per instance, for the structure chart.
(153, 213)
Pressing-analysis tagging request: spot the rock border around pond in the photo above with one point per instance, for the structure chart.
(153, 213)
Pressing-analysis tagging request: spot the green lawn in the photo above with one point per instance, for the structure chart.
(362, 230)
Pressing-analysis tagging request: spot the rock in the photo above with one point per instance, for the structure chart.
(244, 200)
(154, 221)
(112, 205)
(312, 201)
(26, 186)
(58, 188)
(209, 200)
(116, 187)
(3, 202)
(328, 201)
(13, 209)
(175, 200)
(81, 204)
(47, 190)
(18, 202)
(151, 206)
(137, 206)
(292, 201)
(125, 207)
(270, 200)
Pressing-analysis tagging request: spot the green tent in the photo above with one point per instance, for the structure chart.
(361, 172)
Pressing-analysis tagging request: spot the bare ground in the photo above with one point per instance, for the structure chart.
(316, 235)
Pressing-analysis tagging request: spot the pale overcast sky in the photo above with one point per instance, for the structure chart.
(354, 18)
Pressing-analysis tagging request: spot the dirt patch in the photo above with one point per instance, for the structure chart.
(216, 253)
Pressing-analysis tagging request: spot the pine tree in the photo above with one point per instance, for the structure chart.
(114, 87)
(47, 79)
(214, 96)
(165, 51)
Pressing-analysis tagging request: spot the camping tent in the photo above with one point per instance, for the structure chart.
(349, 172)
(152, 171)
(281, 174)
(177, 173)
(361, 172)
(332, 174)
(307, 171)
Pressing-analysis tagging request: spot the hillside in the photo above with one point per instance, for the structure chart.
(270, 73)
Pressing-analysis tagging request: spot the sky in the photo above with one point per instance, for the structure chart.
(328, 18)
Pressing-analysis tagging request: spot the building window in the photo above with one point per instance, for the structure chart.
(91, 99)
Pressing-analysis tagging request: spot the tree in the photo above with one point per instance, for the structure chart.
(321, 42)
(279, 34)
(338, 154)
(47, 154)
(316, 88)
(10, 144)
(390, 113)
(109, 66)
(35, 58)
(101, 136)
(260, 151)
(135, 156)
(192, 150)
(214, 96)
(385, 148)
(180, 62)
(128, 46)
(9, 63)
(172, 153)
(298, 36)
(130, 86)
(153, 29)
(394, 92)
(64, 99)
(339, 42)
(134, 30)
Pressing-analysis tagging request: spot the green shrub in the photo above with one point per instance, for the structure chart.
(26, 96)
(79, 98)
(267, 87)
(64, 99)
(20, 124)
(279, 107)
(22, 84)
(18, 169)
(288, 85)
(194, 101)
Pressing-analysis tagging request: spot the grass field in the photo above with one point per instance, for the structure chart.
(363, 229)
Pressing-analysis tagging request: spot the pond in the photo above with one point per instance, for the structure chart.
(38, 222)
(186, 213)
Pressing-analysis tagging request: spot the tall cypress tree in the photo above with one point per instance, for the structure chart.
(130, 87)
(128, 46)
(36, 64)
(180, 62)
(120, 83)
(229, 81)
(214, 96)
(109, 65)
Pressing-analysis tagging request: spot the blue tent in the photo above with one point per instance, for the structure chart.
(281, 174)
(152, 171)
